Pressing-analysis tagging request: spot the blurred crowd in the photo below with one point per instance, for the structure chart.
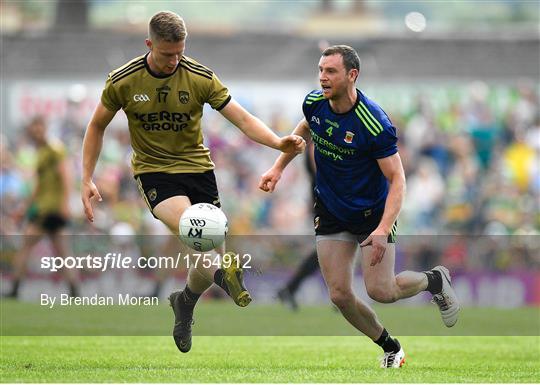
(472, 163)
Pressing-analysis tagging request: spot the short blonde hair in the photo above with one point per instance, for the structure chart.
(167, 26)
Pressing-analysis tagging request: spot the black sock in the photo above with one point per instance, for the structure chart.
(157, 289)
(219, 279)
(189, 298)
(309, 266)
(73, 292)
(15, 288)
(434, 285)
(387, 343)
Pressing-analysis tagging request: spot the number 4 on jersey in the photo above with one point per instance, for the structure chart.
(329, 130)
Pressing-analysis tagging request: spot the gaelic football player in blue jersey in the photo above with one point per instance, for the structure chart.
(360, 186)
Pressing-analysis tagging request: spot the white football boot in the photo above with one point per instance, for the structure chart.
(446, 300)
(393, 360)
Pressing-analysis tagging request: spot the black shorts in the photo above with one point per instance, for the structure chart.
(50, 223)
(326, 223)
(155, 187)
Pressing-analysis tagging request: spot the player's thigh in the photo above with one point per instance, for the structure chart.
(336, 259)
(166, 195)
(382, 274)
(170, 210)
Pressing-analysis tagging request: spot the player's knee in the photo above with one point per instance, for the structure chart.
(382, 294)
(342, 298)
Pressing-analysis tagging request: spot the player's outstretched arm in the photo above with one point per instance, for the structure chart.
(270, 178)
(93, 140)
(256, 130)
(392, 168)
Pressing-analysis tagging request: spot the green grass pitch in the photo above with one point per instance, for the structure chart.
(296, 359)
(266, 359)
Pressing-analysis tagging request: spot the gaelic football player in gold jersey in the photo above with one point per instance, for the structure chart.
(47, 210)
(162, 94)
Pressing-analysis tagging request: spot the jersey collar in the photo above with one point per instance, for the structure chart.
(358, 96)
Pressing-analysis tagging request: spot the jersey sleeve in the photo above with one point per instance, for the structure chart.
(310, 98)
(305, 110)
(385, 142)
(382, 131)
(218, 94)
(110, 97)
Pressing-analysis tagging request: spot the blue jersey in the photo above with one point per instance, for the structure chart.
(347, 146)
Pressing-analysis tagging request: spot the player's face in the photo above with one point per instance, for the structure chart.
(166, 55)
(37, 132)
(333, 76)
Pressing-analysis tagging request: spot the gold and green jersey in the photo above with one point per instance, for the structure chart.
(50, 188)
(164, 113)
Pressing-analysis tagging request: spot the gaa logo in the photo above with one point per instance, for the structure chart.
(197, 222)
(141, 98)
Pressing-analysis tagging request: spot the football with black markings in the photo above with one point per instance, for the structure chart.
(203, 227)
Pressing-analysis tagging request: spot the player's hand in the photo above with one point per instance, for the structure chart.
(19, 214)
(378, 240)
(88, 192)
(269, 180)
(292, 143)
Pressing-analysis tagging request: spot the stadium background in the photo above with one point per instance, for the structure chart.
(463, 93)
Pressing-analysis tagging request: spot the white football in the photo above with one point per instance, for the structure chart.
(203, 227)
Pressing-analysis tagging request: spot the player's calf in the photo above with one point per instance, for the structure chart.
(382, 294)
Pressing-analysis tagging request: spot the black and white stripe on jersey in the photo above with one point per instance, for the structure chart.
(196, 68)
(128, 66)
(128, 70)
